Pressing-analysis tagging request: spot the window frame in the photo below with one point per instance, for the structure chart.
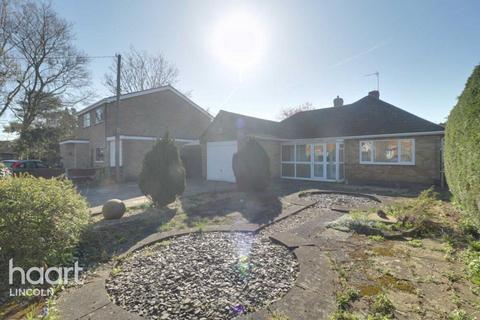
(96, 121)
(86, 116)
(95, 154)
(312, 161)
(399, 153)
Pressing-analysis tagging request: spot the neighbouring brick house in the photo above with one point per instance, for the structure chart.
(144, 117)
(368, 141)
(6, 150)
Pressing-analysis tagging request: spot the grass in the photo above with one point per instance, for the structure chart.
(376, 238)
(416, 243)
(382, 306)
(278, 316)
(460, 314)
(345, 298)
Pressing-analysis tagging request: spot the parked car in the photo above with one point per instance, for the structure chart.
(36, 168)
(23, 165)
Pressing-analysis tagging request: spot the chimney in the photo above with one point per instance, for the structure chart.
(337, 102)
(374, 94)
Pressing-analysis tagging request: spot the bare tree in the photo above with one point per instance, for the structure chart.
(48, 64)
(8, 66)
(288, 112)
(140, 71)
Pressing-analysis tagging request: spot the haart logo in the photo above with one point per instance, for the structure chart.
(41, 276)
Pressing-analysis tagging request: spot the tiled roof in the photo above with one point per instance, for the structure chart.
(367, 116)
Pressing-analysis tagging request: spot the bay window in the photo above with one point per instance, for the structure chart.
(391, 151)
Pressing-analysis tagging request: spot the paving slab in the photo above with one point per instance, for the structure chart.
(291, 240)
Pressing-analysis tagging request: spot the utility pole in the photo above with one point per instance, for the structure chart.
(117, 119)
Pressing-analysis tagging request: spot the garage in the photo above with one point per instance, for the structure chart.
(219, 160)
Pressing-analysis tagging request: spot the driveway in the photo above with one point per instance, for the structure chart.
(130, 193)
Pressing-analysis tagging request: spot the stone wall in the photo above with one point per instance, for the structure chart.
(425, 171)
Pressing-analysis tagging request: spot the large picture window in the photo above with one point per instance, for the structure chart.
(392, 151)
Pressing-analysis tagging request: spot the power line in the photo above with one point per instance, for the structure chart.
(62, 57)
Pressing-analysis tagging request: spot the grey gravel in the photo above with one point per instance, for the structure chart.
(215, 275)
(339, 200)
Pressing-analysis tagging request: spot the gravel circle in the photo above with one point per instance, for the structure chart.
(214, 275)
(339, 200)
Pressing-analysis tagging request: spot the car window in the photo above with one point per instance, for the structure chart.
(41, 165)
(30, 165)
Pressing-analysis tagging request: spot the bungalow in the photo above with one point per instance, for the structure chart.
(368, 141)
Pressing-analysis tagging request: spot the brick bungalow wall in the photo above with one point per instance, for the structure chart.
(425, 171)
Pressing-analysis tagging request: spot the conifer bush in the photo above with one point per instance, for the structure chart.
(163, 176)
(251, 166)
(462, 149)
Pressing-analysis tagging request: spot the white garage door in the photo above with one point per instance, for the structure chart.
(219, 160)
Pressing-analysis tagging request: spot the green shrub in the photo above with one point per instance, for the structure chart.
(346, 297)
(462, 154)
(382, 306)
(163, 176)
(40, 221)
(251, 166)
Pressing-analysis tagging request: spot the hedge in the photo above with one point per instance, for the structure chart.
(462, 149)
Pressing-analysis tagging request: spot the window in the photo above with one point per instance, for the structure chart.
(313, 161)
(288, 153)
(288, 158)
(99, 115)
(41, 165)
(392, 151)
(99, 154)
(386, 151)
(303, 153)
(86, 120)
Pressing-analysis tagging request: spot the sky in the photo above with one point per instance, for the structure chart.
(297, 51)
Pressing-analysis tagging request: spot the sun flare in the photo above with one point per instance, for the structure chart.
(239, 40)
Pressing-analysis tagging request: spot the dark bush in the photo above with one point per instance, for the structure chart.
(40, 221)
(462, 149)
(163, 176)
(251, 167)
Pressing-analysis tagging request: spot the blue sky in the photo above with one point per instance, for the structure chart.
(313, 50)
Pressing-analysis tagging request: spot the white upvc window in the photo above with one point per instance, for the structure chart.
(86, 120)
(99, 115)
(315, 160)
(388, 151)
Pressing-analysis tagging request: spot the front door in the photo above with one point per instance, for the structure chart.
(325, 161)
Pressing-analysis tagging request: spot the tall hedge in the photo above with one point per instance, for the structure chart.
(462, 148)
(251, 166)
(163, 176)
(41, 221)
